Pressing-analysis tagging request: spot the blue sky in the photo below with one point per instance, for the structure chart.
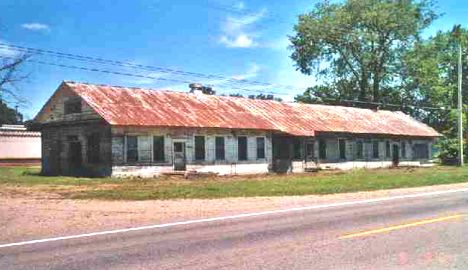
(248, 42)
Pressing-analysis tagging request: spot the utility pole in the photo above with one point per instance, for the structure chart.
(460, 104)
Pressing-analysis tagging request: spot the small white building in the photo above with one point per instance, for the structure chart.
(19, 146)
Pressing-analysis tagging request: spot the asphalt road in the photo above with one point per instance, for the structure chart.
(414, 233)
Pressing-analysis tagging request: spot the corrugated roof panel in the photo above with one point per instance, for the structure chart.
(143, 107)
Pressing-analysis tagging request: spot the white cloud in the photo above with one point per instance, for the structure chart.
(36, 26)
(239, 32)
(240, 41)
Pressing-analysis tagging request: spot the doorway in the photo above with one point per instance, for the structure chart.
(310, 151)
(179, 156)
(395, 155)
(75, 157)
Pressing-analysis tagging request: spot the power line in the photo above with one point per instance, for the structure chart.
(137, 75)
(238, 88)
(143, 67)
(171, 71)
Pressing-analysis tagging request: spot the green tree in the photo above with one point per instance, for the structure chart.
(430, 76)
(355, 47)
(9, 115)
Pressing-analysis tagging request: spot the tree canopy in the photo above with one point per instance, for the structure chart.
(370, 52)
(9, 115)
(355, 47)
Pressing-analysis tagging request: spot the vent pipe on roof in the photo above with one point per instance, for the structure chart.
(200, 89)
(196, 88)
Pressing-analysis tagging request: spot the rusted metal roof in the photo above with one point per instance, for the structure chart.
(123, 106)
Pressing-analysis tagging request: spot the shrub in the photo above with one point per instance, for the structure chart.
(448, 151)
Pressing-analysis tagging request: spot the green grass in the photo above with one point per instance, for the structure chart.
(220, 187)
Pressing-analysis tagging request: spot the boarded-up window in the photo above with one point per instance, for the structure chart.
(310, 150)
(93, 148)
(260, 147)
(342, 146)
(359, 149)
(219, 145)
(387, 149)
(421, 151)
(132, 148)
(144, 149)
(322, 149)
(297, 148)
(242, 148)
(158, 149)
(72, 106)
(375, 149)
(199, 148)
(403, 150)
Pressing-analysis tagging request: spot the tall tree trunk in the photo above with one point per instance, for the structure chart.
(375, 87)
(363, 85)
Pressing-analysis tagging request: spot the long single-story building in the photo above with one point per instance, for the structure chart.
(102, 130)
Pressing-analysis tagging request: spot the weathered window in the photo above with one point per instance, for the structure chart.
(178, 147)
(219, 145)
(359, 149)
(199, 147)
(342, 146)
(72, 106)
(93, 148)
(310, 150)
(297, 148)
(375, 149)
(242, 148)
(132, 148)
(322, 149)
(387, 149)
(421, 151)
(403, 150)
(158, 149)
(260, 147)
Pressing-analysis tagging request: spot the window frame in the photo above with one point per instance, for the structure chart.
(200, 150)
(416, 152)
(128, 149)
(93, 148)
(298, 146)
(342, 152)
(239, 148)
(359, 149)
(261, 149)
(322, 147)
(403, 149)
(72, 106)
(388, 148)
(161, 158)
(375, 149)
(220, 153)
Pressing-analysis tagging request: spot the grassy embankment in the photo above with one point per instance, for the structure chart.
(28, 180)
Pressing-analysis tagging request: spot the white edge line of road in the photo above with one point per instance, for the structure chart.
(205, 220)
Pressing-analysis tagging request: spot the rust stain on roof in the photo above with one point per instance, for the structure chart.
(123, 106)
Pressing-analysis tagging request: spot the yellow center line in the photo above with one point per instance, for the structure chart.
(401, 226)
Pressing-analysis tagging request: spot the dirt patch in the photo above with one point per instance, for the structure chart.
(27, 215)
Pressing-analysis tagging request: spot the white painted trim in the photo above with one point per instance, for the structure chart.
(240, 216)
